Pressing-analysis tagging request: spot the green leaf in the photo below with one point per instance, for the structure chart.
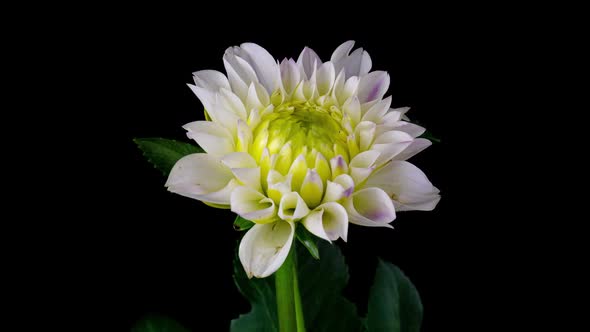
(320, 283)
(261, 295)
(164, 153)
(308, 240)
(158, 324)
(241, 224)
(394, 302)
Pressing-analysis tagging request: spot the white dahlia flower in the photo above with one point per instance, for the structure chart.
(303, 141)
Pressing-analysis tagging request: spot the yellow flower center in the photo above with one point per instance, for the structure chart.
(307, 127)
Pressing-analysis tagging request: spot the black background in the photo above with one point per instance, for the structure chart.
(138, 249)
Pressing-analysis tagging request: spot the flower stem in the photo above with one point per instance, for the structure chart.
(288, 299)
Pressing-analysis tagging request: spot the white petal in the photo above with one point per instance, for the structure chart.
(264, 65)
(410, 128)
(220, 114)
(370, 207)
(290, 75)
(361, 166)
(239, 160)
(325, 78)
(365, 159)
(393, 116)
(292, 207)
(352, 108)
(373, 86)
(264, 248)
(257, 96)
(378, 111)
(341, 53)
(328, 221)
(338, 87)
(206, 97)
(252, 205)
(278, 185)
(203, 177)
(414, 148)
(365, 133)
(308, 60)
(407, 185)
(233, 103)
(244, 137)
(334, 192)
(212, 137)
(390, 144)
(211, 80)
(357, 64)
(350, 88)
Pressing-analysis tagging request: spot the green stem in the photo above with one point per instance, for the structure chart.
(288, 299)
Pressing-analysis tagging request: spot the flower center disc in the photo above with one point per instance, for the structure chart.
(306, 127)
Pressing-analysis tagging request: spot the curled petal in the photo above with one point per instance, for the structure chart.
(292, 207)
(407, 185)
(252, 205)
(265, 247)
(278, 185)
(328, 221)
(341, 188)
(370, 207)
(203, 177)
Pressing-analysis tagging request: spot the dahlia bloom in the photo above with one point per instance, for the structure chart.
(304, 141)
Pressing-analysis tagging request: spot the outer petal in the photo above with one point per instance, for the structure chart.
(417, 146)
(212, 137)
(407, 185)
(264, 65)
(328, 221)
(413, 129)
(308, 60)
(252, 205)
(341, 53)
(203, 177)
(373, 86)
(290, 75)
(391, 144)
(358, 63)
(211, 80)
(206, 96)
(370, 207)
(264, 248)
